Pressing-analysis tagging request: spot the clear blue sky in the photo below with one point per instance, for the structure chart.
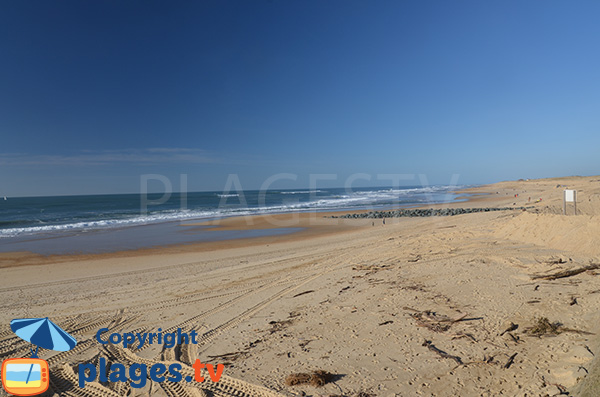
(94, 94)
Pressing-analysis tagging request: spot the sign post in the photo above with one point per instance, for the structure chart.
(570, 196)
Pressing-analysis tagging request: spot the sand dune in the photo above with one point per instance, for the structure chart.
(578, 234)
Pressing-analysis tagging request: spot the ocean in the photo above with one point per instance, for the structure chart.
(24, 220)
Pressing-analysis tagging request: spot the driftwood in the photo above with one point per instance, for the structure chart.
(436, 322)
(576, 331)
(514, 338)
(510, 361)
(464, 335)
(431, 321)
(442, 353)
(567, 273)
(510, 328)
(303, 293)
(228, 356)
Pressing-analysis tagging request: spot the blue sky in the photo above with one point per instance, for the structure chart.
(95, 94)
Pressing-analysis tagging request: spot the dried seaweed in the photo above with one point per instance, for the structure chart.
(317, 378)
(297, 379)
(543, 326)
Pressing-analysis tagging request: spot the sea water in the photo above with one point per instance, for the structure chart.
(101, 223)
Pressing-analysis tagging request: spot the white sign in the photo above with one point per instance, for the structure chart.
(569, 196)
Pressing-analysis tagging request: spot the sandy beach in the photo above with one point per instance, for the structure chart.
(479, 304)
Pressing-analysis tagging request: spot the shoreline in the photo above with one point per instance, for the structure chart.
(311, 224)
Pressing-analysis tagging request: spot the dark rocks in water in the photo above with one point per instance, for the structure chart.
(426, 212)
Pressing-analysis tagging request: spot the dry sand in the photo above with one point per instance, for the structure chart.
(376, 306)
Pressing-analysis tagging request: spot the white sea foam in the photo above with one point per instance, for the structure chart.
(302, 192)
(351, 199)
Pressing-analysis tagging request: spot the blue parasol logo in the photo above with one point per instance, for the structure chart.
(43, 333)
(30, 376)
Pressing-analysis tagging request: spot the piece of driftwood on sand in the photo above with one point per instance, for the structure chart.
(442, 353)
(567, 273)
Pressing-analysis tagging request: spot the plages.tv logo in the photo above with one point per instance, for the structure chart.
(30, 376)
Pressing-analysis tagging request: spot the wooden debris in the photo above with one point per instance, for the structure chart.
(576, 331)
(510, 361)
(303, 293)
(371, 269)
(513, 337)
(464, 335)
(278, 325)
(442, 353)
(436, 322)
(562, 391)
(304, 344)
(511, 327)
(227, 356)
(434, 325)
(567, 273)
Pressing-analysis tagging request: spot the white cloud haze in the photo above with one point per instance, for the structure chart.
(108, 157)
